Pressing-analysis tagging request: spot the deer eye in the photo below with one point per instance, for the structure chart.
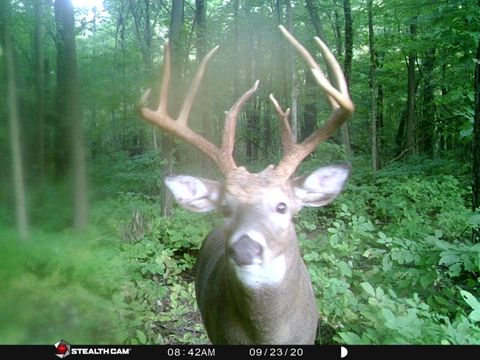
(282, 208)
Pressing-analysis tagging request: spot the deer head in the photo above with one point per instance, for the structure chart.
(253, 261)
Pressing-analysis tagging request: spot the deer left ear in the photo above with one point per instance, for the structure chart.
(194, 194)
(320, 187)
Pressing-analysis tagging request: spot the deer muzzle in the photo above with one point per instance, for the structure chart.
(245, 251)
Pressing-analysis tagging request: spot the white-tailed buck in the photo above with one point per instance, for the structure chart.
(252, 285)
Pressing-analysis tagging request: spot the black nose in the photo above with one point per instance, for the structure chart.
(245, 250)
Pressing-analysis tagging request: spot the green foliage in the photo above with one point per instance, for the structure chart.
(404, 272)
(158, 300)
(58, 286)
(124, 174)
(391, 260)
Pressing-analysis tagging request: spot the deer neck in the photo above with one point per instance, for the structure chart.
(274, 307)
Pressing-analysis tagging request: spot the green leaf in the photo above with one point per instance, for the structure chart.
(470, 300)
(379, 292)
(474, 220)
(368, 288)
(475, 315)
(350, 338)
(345, 269)
(141, 337)
(448, 258)
(427, 279)
(389, 317)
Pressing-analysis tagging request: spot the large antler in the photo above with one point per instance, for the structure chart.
(223, 156)
(293, 153)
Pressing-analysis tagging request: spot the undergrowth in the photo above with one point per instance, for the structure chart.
(391, 262)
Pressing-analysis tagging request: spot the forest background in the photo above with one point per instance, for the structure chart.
(93, 250)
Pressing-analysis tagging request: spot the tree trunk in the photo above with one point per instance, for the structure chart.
(411, 86)
(315, 19)
(168, 148)
(347, 68)
(337, 31)
(14, 124)
(253, 107)
(40, 91)
(427, 121)
(310, 110)
(203, 105)
(68, 81)
(373, 89)
(201, 26)
(476, 145)
(61, 129)
(293, 74)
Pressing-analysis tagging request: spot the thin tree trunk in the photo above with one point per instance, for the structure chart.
(40, 91)
(310, 110)
(347, 68)
(410, 143)
(69, 81)
(317, 24)
(203, 102)
(373, 89)
(337, 30)
(293, 73)
(14, 125)
(201, 26)
(476, 144)
(427, 121)
(236, 74)
(175, 38)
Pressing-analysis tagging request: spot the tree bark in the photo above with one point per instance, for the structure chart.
(411, 87)
(14, 124)
(373, 89)
(68, 82)
(315, 19)
(293, 74)
(203, 102)
(310, 110)
(347, 63)
(337, 31)
(476, 144)
(347, 68)
(427, 120)
(40, 91)
(253, 106)
(201, 26)
(168, 145)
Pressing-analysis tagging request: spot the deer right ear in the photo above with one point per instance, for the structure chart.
(194, 194)
(320, 187)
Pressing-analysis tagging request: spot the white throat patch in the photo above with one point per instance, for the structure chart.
(270, 272)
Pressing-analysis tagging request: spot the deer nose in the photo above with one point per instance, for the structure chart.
(245, 251)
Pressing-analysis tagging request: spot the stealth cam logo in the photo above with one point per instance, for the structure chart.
(62, 349)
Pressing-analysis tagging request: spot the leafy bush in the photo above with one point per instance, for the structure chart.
(121, 174)
(394, 265)
(158, 301)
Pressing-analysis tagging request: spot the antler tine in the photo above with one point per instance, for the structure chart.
(339, 99)
(341, 96)
(288, 141)
(167, 74)
(187, 105)
(228, 141)
(178, 127)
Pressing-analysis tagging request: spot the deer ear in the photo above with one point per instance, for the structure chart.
(320, 187)
(194, 194)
